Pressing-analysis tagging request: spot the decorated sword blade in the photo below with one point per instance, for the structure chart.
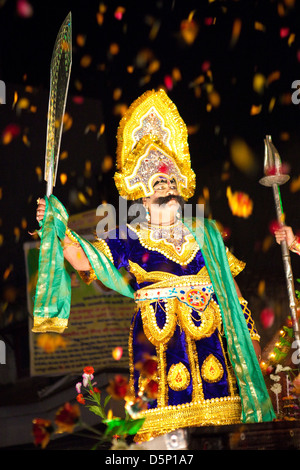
(60, 71)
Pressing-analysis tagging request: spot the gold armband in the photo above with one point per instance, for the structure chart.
(88, 276)
(248, 317)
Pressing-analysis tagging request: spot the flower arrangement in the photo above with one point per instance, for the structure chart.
(281, 349)
(116, 430)
(284, 379)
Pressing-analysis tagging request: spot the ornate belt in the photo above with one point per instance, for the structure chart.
(181, 296)
(195, 296)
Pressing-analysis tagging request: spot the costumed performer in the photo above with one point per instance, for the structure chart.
(191, 319)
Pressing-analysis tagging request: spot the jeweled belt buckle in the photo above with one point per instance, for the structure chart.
(197, 297)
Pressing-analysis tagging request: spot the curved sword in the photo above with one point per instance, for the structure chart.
(60, 71)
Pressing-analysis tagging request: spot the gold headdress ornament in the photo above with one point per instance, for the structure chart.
(152, 141)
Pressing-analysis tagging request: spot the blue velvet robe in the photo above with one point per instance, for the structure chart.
(124, 249)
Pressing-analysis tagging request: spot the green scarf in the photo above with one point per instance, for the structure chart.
(53, 299)
(256, 403)
(53, 291)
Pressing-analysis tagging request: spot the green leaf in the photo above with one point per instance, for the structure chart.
(123, 427)
(114, 426)
(289, 331)
(134, 425)
(284, 342)
(106, 400)
(97, 411)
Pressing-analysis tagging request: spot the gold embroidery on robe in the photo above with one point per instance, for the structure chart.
(153, 332)
(181, 254)
(235, 265)
(178, 377)
(212, 370)
(165, 279)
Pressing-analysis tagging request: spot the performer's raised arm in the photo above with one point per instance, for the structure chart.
(72, 250)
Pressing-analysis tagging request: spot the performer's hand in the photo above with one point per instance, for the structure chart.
(40, 211)
(285, 233)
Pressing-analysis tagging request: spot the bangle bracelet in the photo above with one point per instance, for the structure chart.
(295, 245)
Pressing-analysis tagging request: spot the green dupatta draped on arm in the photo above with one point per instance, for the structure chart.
(53, 299)
(53, 291)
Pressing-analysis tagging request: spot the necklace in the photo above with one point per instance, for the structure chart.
(173, 241)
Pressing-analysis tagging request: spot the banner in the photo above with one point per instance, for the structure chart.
(99, 320)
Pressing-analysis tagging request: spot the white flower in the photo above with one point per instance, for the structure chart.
(86, 378)
(78, 387)
(276, 378)
(279, 368)
(276, 388)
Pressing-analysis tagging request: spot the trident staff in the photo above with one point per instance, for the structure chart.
(274, 178)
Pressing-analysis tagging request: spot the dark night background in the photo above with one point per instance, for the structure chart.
(232, 84)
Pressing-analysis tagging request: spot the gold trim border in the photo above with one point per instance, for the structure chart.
(49, 325)
(215, 411)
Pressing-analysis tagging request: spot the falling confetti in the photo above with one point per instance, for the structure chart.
(242, 156)
(168, 82)
(86, 61)
(261, 287)
(259, 83)
(39, 173)
(267, 317)
(82, 198)
(295, 184)
(273, 226)
(67, 122)
(240, 203)
(7, 272)
(119, 12)
(255, 109)
(117, 353)
(63, 178)
(64, 155)
(189, 29)
(81, 40)
(236, 31)
(114, 48)
(107, 163)
(10, 132)
(24, 9)
(50, 343)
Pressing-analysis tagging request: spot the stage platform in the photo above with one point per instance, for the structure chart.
(277, 435)
(273, 436)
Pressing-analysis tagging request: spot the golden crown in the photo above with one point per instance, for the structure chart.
(152, 141)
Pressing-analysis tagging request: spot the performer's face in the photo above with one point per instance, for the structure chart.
(165, 202)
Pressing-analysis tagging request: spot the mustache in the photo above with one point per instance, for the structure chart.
(164, 200)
